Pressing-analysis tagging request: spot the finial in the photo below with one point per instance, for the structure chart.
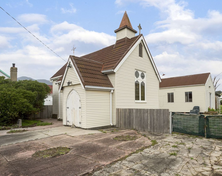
(139, 27)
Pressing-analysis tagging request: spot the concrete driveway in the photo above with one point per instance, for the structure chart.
(90, 150)
(173, 155)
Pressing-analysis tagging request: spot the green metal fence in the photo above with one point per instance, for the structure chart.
(189, 124)
(214, 127)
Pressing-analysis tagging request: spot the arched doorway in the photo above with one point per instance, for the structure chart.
(73, 109)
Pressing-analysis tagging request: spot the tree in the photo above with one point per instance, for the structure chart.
(20, 99)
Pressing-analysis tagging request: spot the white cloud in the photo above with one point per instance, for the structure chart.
(32, 18)
(4, 42)
(68, 33)
(33, 28)
(71, 10)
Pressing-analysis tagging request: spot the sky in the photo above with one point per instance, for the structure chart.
(184, 37)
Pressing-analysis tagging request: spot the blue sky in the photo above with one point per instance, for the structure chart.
(184, 37)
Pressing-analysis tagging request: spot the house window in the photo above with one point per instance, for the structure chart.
(170, 97)
(140, 50)
(188, 97)
(140, 86)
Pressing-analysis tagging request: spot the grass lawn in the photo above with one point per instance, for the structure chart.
(32, 123)
(26, 123)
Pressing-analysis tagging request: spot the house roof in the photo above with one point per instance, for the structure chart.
(125, 23)
(90, 72)
(4, 74)
(184, 80)
(60, 72)
(112, 55)
(50, 86)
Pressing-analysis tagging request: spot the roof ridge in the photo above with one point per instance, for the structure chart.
(187, 75)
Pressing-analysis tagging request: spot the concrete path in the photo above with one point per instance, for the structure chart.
(174, 155)
(12, 138)
(88, 152)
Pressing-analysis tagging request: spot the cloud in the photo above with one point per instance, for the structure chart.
(68, 33)
(32, 18)
(71, 10)
(4, 42)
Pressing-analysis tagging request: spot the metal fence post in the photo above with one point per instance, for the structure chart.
(170, 116)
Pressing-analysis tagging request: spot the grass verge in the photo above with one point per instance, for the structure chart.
(52, 152)
(16, 131)
(32, 123)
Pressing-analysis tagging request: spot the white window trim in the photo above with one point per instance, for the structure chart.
(167, 97)
(140, 80)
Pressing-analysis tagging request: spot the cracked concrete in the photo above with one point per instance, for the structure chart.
(176, 154)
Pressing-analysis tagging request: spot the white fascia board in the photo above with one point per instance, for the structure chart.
(131, 50)
(98, 88)
(77, 74)
(54, 78)
(63, 79)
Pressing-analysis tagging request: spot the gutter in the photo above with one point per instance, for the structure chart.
(98, 88)
(108, 71)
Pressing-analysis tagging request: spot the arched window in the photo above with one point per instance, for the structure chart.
(140, 50)
(142, 91)
(140, 85)
(137, 90)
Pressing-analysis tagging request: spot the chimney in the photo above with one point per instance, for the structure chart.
(13, 72)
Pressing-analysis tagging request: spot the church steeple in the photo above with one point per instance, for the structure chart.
(125, 28)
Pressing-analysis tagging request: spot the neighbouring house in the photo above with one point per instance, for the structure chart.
(4, 74)
(87, 90)
(181, 94)
(48, 99)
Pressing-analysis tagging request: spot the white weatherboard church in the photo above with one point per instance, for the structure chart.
(87, 90)
(91, 87)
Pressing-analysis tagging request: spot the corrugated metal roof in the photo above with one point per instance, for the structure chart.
(184, 80)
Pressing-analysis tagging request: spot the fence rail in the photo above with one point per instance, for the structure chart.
(148, 120)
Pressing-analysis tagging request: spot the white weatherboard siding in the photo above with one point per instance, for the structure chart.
(55, 98)
(125, 82)
(209, 87)
(97, 108)
(124, 33)
(112, 80)
(179, 104)
(71, 76)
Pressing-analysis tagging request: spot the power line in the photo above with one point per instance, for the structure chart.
(33, 35)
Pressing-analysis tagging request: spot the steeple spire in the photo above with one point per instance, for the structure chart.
(125, 23)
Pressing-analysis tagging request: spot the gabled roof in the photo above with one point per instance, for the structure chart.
(125, 23)
(89, 72)
(112, 55)
(4, 74)
(60, 72)
(184, 80)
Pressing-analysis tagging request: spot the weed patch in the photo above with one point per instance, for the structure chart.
(52, 152)
(173, 154)
(125, 138)
(32, 123)
(154, 142)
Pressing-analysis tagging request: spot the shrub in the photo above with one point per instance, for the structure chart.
(20, 99)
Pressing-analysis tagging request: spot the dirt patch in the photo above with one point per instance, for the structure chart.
(126, 138)
(52, 152)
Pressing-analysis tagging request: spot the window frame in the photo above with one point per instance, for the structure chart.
(170, 97)
(140, 80)
(187, 97)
